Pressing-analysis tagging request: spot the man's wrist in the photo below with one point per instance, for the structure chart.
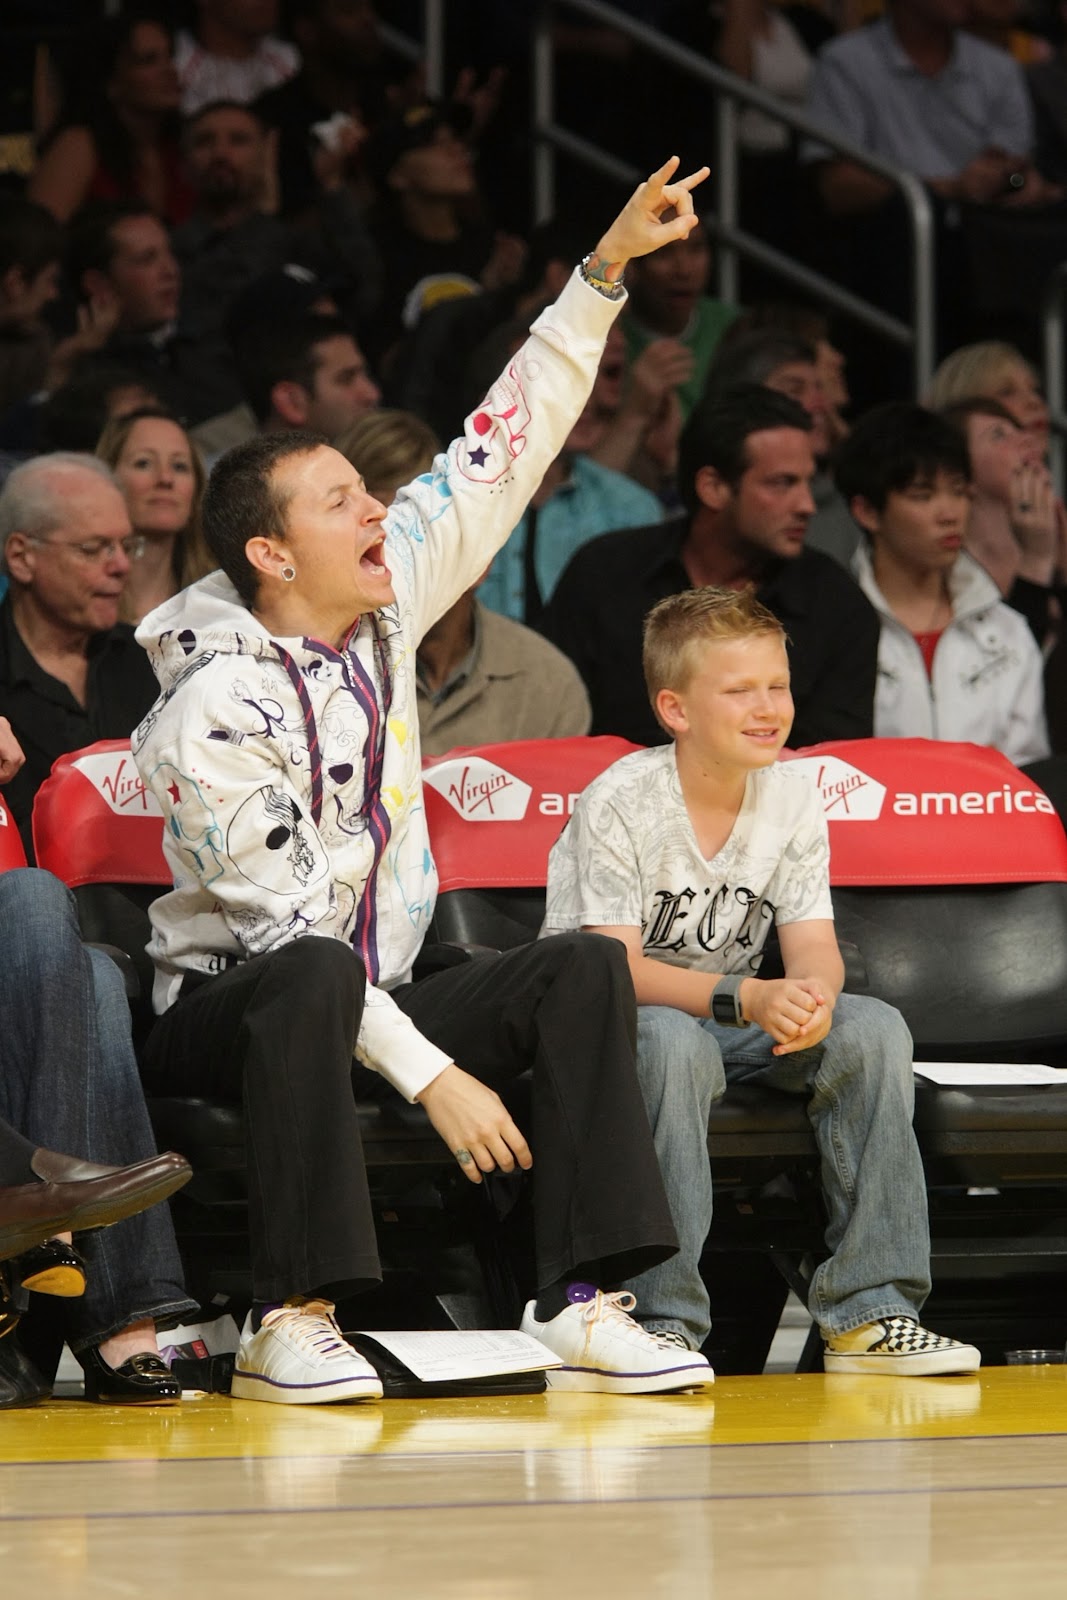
(435, 1081)
(595, 272)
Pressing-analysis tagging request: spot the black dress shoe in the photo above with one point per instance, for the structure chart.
(20, 1382)
(143, 1380)
(54, 1267)
(73, 1196)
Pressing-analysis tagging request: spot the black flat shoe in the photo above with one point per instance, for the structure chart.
(53, 1267)
(20, 1382)
(143, 1380)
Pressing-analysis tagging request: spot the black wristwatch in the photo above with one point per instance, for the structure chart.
(725, 1005)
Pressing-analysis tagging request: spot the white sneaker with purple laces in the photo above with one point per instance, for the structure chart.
(604, 1351)
(298, 1356)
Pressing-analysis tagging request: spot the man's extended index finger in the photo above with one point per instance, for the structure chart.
(679, 194)
(662, 176)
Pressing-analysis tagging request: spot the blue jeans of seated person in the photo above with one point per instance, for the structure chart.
(69, 1082)
(861, 1092)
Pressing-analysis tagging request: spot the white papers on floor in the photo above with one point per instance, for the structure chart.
(451, 1354)
(985, 1074)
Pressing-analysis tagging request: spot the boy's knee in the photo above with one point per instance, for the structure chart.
(869, 1036)
(671, 1045)
(862, 1016)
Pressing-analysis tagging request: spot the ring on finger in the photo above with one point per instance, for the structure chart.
(464, 1158)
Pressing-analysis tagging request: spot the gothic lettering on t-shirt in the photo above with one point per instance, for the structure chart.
(733, 915)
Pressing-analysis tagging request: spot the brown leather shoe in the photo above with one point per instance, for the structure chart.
(76, 1195)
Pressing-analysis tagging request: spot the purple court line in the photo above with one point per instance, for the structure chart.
(535, 1450)
(524, 1505)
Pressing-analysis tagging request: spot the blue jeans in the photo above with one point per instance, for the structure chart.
(69, 1082)
(861, 1092)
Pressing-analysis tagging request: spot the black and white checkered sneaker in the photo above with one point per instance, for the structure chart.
(898, 1347)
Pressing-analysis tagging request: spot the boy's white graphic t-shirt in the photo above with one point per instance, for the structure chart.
(629, 858)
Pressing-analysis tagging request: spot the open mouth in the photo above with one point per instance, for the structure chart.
(372, 561)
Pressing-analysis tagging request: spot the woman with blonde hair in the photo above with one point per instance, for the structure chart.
(992, 370)
(159, 471)
(389, 449)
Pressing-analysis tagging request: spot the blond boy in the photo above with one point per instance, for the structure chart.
(689, 854)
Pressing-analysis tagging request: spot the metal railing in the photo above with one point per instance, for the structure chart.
(733, 242)
(1053, 321)
(731, 93)
(430, 49)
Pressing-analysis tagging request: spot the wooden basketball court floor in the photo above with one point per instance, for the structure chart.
(786, 1486)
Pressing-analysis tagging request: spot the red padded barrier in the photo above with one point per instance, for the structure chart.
(926, 812)
(475, 797)
(11, 852)
(901, 811)
(95, 822)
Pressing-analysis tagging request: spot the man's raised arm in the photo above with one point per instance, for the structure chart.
(444, 529)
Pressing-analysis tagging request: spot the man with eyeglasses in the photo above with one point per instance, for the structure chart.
(70, 672)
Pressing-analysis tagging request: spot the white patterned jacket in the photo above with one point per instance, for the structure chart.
(225, 748)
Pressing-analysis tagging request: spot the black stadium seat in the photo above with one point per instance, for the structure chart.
(949, 878)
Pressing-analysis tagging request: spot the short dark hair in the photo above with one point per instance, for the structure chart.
(30, 237)
(73, 416)
(894, 446)
(717, 432)
(796, 317)
(282, 352)
(242, 501)
(752, 355)
(91, 244)
(246, 109)
(960, 412)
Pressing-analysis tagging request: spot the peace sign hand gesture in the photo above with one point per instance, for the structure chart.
(640, 227)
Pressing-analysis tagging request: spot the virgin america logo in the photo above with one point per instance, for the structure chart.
(848, 795)
(114, 776)
(479, 790)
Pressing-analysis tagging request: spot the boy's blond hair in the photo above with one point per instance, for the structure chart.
(677, 628)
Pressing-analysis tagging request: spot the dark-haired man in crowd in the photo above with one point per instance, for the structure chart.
(34, 364)
(231, 239)
(745, 472)
(306, 374)
(670, 306)
(786, 362)
(121, 261)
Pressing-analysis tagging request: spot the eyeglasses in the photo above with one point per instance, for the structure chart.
(97, 549)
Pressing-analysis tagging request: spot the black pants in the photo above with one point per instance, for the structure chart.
(277, 1034)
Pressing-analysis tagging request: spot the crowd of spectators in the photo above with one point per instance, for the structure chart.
(243, 218)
